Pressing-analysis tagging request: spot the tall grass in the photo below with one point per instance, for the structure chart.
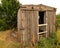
(50, 42)
(3, 44)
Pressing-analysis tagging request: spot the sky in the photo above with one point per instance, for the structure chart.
(52, 3)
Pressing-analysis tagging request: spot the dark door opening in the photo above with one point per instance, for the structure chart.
(41, 20)
(41, 17)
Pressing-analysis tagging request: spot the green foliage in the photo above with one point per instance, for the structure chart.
(8, 14)
(57, 21)
(3, 25)
(50, 42)
(58, 16)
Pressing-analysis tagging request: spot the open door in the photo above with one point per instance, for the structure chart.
(42, 26)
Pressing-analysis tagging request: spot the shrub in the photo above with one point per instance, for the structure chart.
(8, 14)
(3, 25)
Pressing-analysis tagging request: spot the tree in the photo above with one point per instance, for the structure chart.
(8, 12)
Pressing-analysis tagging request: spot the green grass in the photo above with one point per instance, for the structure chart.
(58, 26)
(13, 45)
(58, 16)
(4, 44)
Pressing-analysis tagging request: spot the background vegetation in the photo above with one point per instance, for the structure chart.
(8, 14)
(58, 21)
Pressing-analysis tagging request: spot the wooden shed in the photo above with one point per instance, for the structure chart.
(35, 21)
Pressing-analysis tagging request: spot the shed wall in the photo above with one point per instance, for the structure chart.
(27, 26)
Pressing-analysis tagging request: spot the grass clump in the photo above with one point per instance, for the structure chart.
(50, 42)
(2, 43)
(13, 45)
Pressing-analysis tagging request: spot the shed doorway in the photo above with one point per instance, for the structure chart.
(42, 21)
(42, 26)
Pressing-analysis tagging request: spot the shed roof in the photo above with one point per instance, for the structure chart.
(37, 7)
